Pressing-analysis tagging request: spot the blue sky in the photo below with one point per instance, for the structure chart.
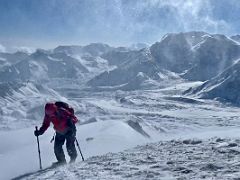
(47, 23)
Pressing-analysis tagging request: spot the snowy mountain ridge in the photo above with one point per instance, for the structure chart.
(194, 55)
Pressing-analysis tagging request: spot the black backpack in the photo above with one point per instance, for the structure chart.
(64, 105)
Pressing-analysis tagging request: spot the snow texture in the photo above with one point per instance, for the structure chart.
(177, 159)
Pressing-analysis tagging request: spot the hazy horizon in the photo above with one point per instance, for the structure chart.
(48, 23)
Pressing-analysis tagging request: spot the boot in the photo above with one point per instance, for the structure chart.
(58, 163)
(72, 160)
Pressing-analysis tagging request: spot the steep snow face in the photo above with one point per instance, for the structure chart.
(212, 56)
(225, 86)
(174, 51)
(193, 38)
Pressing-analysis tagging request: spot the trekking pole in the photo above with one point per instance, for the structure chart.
(39, 153)
(79, 149)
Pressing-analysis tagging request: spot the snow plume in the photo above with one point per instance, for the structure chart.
(162, 16)
(24, 49)
(140, 21)
(118, 22)
(196, 15)
(2, 48)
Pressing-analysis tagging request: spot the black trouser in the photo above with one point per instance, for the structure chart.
(70, 137)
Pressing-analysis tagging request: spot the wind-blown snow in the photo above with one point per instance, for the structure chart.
(2, 48)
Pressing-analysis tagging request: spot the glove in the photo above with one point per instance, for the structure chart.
(37, 133)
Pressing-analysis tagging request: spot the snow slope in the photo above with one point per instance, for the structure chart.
(174, 51)
(213, 55)
(176, 159)
(224, 87)
(18, 151)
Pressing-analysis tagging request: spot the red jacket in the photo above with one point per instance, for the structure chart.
(61, 120)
